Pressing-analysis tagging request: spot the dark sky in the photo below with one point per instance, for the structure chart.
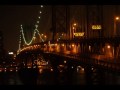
(11, 17)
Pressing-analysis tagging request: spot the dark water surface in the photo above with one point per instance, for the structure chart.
(49, 78)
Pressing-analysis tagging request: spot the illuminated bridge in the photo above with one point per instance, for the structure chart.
(93, 53)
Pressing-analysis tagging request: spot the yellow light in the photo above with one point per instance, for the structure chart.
(72, 45)
(63, 45)
(56, 44)
(45, 36)
(108, 46)
(79, 34)
(74, 24)
(96, 27)
(117, 18)
(73, 27)
(40, 70)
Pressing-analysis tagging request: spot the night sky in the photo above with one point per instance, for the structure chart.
(11, 17)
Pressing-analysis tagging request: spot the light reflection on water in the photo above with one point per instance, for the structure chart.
(47, 77)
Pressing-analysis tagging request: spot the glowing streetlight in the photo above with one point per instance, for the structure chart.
(74, 28)
(41, 6)
(40, 12)
(39, 17)
(74, 24)
(45, 36)
(117, 18)
(108, 46)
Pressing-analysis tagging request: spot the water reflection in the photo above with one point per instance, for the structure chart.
(48, 77)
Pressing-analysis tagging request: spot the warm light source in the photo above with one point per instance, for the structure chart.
(117, 18)
(108, 46)
(73, 27)
(63, 45)
(10, 52)
(79, 34)
(94, 27)
(72, 45)
(74, 24)
(115, 21)
(45, 36)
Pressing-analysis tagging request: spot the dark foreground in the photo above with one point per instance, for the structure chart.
(47, 77)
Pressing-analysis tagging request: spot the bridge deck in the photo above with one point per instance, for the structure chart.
(109, 64)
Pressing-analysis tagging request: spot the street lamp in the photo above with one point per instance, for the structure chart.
(45, 37)
(115, 20)
(74, 28)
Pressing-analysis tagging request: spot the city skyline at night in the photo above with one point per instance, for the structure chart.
(60, 44)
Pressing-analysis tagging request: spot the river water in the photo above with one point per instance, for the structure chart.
(48, 77)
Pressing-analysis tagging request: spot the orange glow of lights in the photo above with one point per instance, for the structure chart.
(74, 24)
(82, 69)
(117, 18)
(45, 36)
(73, 45)
(79, 34)
(40, 70)
(108, 46)
(56, 44)
(96, 27)
(63, 45)
(73, 27)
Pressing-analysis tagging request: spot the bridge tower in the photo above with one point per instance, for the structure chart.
(60, 22)
(94, 17)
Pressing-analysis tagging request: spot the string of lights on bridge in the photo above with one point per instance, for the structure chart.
(22, 35)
